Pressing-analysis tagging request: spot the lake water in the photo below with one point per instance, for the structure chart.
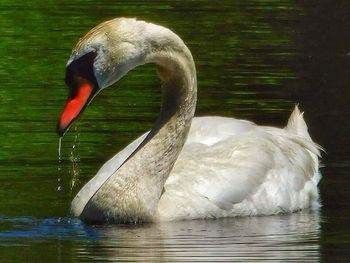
(255, 60)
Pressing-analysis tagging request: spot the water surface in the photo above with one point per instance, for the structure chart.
(276, 238)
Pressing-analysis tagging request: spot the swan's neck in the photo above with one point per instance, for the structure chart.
(133, 191)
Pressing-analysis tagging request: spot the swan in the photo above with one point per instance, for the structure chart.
(184, 167)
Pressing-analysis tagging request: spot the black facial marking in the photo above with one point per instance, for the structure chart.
(81, 68)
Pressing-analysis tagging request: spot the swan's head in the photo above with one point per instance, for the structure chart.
(103, 56)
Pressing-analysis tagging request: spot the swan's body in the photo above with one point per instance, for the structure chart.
(226, 167)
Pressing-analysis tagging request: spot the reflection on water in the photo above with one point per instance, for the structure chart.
(275, 238)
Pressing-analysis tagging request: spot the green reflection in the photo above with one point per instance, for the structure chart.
(244, 53)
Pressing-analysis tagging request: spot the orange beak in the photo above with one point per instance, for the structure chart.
(75, 105)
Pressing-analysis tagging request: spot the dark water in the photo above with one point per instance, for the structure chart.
(255, 60)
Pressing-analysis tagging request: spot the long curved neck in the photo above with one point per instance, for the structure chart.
(155, 157)
(132, 193)
(179, 94)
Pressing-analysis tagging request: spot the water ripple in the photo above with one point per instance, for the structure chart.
(17, 228)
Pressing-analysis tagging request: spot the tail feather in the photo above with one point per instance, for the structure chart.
(297, 125)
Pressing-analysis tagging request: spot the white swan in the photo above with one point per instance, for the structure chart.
(218, 167)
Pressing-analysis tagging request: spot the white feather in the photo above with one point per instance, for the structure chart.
(231, 167)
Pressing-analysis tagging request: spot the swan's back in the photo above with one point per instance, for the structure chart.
(230, 167)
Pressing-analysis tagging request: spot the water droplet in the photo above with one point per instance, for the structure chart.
(75, 160)
(59, 188)
(59, 149)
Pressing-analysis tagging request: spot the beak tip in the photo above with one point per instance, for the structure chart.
(60, 130)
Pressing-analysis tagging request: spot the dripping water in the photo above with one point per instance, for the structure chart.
(59, 166)
(75, 160)
(59, 149)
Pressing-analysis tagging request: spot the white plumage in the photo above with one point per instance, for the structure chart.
(226, 167)
(231, 167)
(240, 169)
